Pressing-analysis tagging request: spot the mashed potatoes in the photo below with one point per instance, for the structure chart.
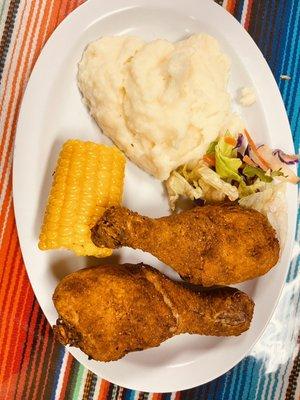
(161, 103)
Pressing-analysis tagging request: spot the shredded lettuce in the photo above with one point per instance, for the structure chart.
(270, 202)
(198, 182)
(246, 190)
(177, 186)
(212, 179)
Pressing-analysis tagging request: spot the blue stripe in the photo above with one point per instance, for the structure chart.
(242, 368)
(129, 394)
(58, 366)
(249, 379)
(239, 11)
(293, 61)
(276, 60)
(287, 39)
(268, 24)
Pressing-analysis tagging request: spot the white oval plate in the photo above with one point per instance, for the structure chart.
(52, 112)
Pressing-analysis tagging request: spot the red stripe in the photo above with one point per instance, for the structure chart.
(35, 351)
(7, 315)
(42, 359)
(53, 344)
(66, 377)
(30, 336)
(248, 14)
(24, 306)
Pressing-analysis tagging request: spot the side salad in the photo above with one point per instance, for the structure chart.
(235, 169)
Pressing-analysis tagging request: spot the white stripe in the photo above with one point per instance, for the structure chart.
(62, 374)
(114, 392)
(173, 395)
(225, 2)
(97, 388)
(83, 379)
(4, 16)
(244, 13)
(136, 395)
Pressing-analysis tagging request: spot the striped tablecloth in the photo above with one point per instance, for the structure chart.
(32, 364)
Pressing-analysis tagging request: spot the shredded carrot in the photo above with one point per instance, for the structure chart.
(230, 140)
(262, 162)
(248, 161)
(209, 159)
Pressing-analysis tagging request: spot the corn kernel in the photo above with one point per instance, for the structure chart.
(88, 178)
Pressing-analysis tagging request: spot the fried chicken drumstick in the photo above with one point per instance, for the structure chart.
(209, 245)
(109, 311)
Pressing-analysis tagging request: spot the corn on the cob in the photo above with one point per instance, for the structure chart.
(88, 178)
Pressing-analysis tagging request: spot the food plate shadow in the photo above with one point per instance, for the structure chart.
(169, 354)
(68, 263)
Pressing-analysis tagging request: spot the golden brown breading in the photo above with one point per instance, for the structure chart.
(209, 245)
(109, 311)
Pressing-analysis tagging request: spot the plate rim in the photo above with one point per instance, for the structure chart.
(121, 4)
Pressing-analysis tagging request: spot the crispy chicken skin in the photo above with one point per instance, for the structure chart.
(209, 245)
(109, 311)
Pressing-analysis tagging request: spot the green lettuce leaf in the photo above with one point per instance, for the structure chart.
(251, 172)
(227, 164)
(211, 148)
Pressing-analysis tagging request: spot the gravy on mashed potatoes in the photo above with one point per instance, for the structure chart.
(162, 103)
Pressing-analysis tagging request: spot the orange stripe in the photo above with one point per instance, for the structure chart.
(54, 18)
(104, 388)
(231, 6)
(63, 11)
(248, 13)
(7, 278)
(41, 39)
(177, 396)
(66, 377)
(156, 396)
(8, 231)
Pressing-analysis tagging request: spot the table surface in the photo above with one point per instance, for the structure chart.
(32, 364)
